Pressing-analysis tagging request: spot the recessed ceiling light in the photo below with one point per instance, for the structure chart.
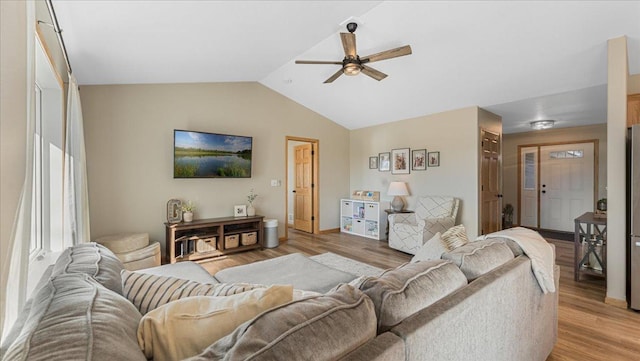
(542, 124)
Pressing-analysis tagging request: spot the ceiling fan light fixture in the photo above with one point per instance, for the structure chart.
(352, 69)
(542, 124)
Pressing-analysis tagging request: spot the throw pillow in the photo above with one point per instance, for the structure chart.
(454, 237)
(431, 249)
(185, 327)
(148, 291)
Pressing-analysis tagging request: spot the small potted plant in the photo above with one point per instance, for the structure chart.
(251, 211)
(187, 211)
(507, 216)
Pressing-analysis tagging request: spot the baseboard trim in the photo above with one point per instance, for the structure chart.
(327, 231)
(615, 302)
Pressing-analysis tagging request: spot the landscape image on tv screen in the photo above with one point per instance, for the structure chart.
(210, 155)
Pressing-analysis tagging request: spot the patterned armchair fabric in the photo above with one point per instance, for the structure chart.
(433, 214)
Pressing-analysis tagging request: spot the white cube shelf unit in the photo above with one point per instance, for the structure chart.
(363, 218)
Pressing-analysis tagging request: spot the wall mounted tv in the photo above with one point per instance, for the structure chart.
(210, 155)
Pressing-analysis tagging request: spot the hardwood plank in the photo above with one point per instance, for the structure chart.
(588, 329)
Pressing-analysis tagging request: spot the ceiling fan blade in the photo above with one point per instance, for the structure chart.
(375, 74)
(334, 77)
(387, 54)
(349, 44)
(318, 62)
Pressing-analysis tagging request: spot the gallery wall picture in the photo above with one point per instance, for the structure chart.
(419, 159)
(373, 162)
(434, 159)
(384, 162)
(400, 161)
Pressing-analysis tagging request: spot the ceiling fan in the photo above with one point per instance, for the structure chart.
(352, 64)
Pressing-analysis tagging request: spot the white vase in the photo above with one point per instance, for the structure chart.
(187, 216)
(251, 211)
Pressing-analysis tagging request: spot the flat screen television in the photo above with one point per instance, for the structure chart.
(211, 155)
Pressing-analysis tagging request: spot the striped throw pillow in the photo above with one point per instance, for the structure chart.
(454, 237)
(148, 292)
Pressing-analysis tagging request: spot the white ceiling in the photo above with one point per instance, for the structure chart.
(524, 60)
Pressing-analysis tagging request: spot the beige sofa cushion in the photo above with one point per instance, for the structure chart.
(149, 291)
(185, 327)
(480, 257)
(124, 242)
(400, 292)
(94, 260)
(324, 327)
(73, 317)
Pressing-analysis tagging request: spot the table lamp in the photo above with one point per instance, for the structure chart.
(397, 189)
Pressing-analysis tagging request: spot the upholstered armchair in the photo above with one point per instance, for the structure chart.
(433, 214)
(133, 249)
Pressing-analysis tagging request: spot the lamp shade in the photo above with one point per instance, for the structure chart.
(398, 189)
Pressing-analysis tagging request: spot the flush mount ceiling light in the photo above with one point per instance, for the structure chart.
(542, 124)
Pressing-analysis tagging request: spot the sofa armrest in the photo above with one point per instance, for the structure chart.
(386, 346)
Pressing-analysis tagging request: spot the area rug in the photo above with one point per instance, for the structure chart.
(346, 264)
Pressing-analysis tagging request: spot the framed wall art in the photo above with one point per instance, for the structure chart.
(373, 162)
(419, 159)
(434, 159)
(400, 161)
(240, 211)
(384, 162)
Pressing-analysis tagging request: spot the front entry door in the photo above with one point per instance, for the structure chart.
(303, 188)
(490, 195)
(566, 184)
(529, 187)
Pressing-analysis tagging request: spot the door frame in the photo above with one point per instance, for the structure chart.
(596, 169)
(315, 198)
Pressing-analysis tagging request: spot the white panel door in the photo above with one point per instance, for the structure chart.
(566, 184)
(529, 187)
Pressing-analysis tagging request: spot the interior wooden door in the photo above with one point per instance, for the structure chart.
(490, 188)
(303, 189)
(566, 184)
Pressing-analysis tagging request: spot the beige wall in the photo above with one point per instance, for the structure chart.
(13, 120)
(129, 140)
(561, 135)
(634, 84)
(454, 134)
(617, 77)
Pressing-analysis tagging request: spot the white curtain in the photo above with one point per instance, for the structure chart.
(15, 262)
(76, 193)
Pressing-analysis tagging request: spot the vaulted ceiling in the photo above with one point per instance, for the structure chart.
(524, 60)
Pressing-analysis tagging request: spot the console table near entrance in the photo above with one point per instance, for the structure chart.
(590, 243)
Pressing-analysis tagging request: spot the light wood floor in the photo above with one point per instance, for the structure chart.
(588, 329)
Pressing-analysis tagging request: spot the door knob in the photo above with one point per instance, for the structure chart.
(544, 191)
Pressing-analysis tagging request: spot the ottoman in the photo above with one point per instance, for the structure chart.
(293, 269)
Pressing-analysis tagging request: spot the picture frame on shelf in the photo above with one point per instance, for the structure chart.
(419, 159)
(384, 162)
(434, 159)
(400, 161)
(240, 210)
(373, 162)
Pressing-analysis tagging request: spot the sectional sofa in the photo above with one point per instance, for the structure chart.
(480, 302)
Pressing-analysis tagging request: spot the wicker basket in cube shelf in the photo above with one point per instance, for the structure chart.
(205, 245)
(249, 238)
(231, 241)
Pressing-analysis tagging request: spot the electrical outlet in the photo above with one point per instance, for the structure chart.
(275, 183)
